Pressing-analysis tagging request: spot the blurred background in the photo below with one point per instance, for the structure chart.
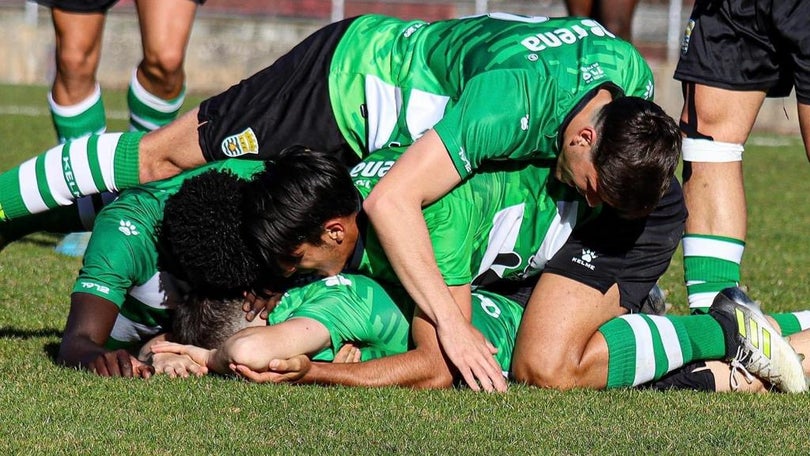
(232, 39)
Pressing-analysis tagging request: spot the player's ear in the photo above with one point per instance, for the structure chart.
(335, 230)
(587, 136)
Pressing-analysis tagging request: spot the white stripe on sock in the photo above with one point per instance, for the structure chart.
(107, 143)
(645, 357)
(28, 189)
(804, 319)
(714, 248)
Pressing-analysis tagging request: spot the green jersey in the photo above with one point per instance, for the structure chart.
(499, 86)
(120, 264)
(358, 310)
(503, 223)
(355, 309)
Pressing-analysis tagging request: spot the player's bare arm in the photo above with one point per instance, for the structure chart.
(255, 347)
(423, 174)
(89, 323)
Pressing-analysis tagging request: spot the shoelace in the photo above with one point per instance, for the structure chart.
(737, 366)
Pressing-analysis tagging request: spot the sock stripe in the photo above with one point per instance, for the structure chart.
(41, 171)
(804, 319)
(30, 194)
(95, 167)
(673, 351)
(726, 249)
(644, 369)
(108, 144)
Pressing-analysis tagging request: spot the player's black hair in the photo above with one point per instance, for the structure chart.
(289, 202)
(637, 150)
(201, 237)
(207, 322)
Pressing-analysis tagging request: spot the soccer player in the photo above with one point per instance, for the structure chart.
(456, 93)
(123, 296)
(734, 55)
(302, 215)
(156, 89)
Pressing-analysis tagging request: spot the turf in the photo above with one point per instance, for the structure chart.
(46, 409)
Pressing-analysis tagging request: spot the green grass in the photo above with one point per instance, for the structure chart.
(46, 409)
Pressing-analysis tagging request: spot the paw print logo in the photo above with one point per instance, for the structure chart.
(588, 255)
(126, 227)
(524, 122)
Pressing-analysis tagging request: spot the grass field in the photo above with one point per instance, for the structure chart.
(46, 409)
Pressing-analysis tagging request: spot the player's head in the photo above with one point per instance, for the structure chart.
(201, 236)
(637, 149)
(299, 213)
(209, 322)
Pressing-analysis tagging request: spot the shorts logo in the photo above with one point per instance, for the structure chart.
(687, 35)
(586, 258)
(2, 213)
(241, 144)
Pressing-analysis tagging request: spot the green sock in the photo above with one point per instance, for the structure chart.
(643, 348)
(148, 112)
(711, 264)
(792, 322)
(82, 119)
(57, 177)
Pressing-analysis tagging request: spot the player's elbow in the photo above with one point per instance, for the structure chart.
(242, 350)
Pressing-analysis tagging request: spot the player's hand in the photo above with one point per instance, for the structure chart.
(175, 365)
(120, 363)
(261, 306)
(278, 370)
(196, 354)
(348, 353)
(472, 355)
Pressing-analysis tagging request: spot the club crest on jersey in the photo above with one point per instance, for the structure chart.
(241, 144)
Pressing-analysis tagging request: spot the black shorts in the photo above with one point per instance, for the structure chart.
(86, 6)
(631, 253)
(748, 45)
(283, 105)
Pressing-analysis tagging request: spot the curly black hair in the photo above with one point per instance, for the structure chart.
(201, 237)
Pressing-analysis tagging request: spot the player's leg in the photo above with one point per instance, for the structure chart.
(804, 125)
(157, 88)
(98, 163)
(573, 336)
(617, 16)
(716, 123)
(75, 97)
(558, 344)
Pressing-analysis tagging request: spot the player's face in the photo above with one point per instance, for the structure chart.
(322, 259)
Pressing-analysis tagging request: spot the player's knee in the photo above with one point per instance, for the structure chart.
(75, 65)
(166, 66)
(544, 373)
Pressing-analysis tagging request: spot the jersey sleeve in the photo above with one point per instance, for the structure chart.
(492, 120)
(353, 309)
(114, 260)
